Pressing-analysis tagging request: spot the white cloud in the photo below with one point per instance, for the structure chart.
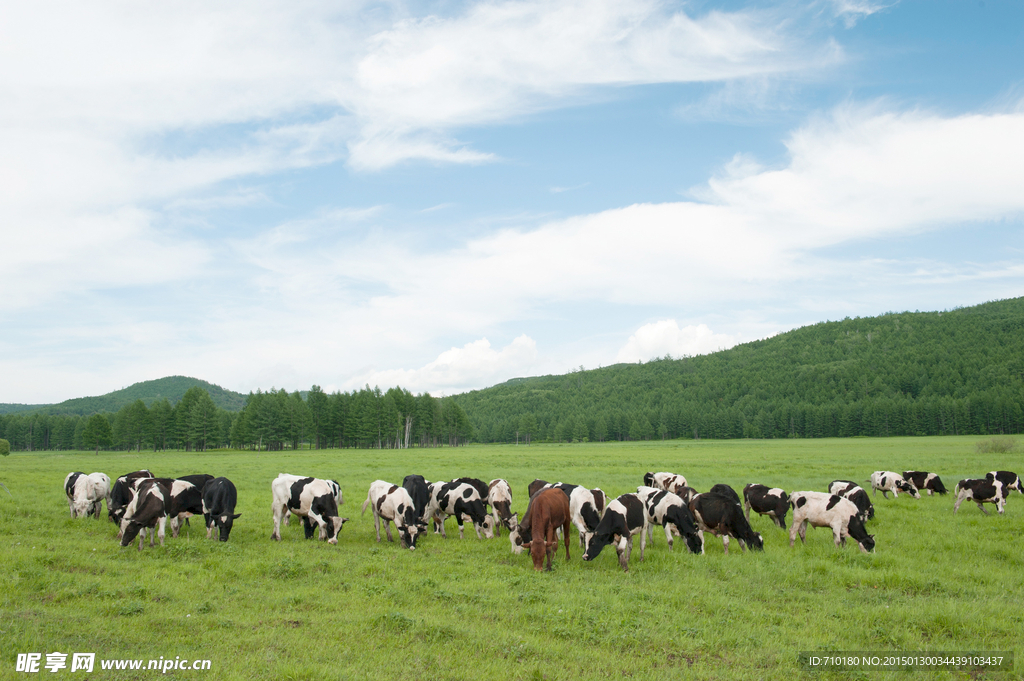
(474, 365)
(664, 337)
(851, 11)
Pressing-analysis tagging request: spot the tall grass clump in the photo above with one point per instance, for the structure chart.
(996, 445)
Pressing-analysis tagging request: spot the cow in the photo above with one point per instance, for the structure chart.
(887, 481)
(624, 517)
(419, 491)
(332, 484)
(982, 491)
(848, 489)
(723, 517)
(536, 486)
(133, 487)
(147, 509)
(670, 482)
(668, 509)
(822, 509)
(199, 479)
(393, 504)
(458, 499)
(726, 491)
(186, 500)
(585, 511)
(499, 496)
(770, 501)
(311, 499)
(86, 493)
(219, 499)
(120, 494)
(548, 511)
(926, 481)
(1009, 479)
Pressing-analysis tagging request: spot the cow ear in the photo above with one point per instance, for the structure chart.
(237, 515)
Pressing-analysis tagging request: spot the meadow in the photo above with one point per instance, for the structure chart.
(469, 609)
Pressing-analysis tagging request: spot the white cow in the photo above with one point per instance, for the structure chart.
(499, 496)
(887, 481)
(393, 504)
(821, 509)
(311, 499)
(86, 493)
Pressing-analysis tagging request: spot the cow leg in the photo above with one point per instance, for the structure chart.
(209, 528)
(981, 507)
(803, 532)
(725, 543)
(956, 506)
(620, 548)
(278, 512)
(747, 507)
(162, 523)
(668, 536)
(885, 494)
(565, 535)
(837, 536)
(458, 519)
(643, 545)
(1000, 506)
(387, 529)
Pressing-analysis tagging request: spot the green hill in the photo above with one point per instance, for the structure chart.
(958, 371)
(171, 387)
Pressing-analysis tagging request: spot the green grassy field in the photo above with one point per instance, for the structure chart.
(470, 609)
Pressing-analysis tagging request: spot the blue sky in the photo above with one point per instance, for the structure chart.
(447, 195)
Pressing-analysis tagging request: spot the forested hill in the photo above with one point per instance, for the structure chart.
(171, 387)
(960, 371)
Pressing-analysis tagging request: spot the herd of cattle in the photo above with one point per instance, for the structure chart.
(139, 503)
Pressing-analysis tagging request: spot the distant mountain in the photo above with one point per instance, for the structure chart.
(171, 387)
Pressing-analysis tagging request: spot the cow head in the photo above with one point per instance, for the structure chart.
(539, 550)
(334, 525)
(595, 545)
(224, 524)
(488, 527)
(756, 542)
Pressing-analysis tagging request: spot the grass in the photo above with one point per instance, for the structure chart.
(470, 609)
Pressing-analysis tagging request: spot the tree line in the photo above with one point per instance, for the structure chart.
(272, 420)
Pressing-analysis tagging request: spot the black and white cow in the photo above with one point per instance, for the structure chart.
(848, 489)
(121, 494)
(585, 511)
(335, 490)
(887, 481)
(186, 501)
(499, 496)
(725, 490)
(770, 501)
(670, 511)
(419, 491)
(1009, 479)
(723, 517)
(86, 493)
(624, 517)
(311, 499)
(459, 499)
(982, 491)
(926, 481)
(820, 509)
(670, 482)
(393, 504)
(219, 499)
(146, 510)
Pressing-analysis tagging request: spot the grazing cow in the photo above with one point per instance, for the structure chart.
(394, 505)
(311, 499)
(186, 500)
(668, 509)
(335, 490)
(458, 499)
(821, 509)
(147, 509)
(724, 490)
(419, 491)
(499, 496)
(585, 511)
(199, 479)
(769, 501)
(219, 499)
(887, 481)
(1009, 479)
(86, 493)
(548, 511)
(670, 482)
(121, 494)
(624, 517)
(723, 517)
(848, 489)
(926, 481)
(982, 491)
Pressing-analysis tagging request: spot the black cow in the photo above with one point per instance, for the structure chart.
(199, 479)
(1008, 478)
(417, 488)
(926, 481)
(723, 517)
(186, 501)
(624, 517)
(669, 510)
(770, 501)
(219, 499)
(724, 490)
(311, 499)
(147, 509)
(121, 494)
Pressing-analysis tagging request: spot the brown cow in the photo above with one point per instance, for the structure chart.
(548, 511)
